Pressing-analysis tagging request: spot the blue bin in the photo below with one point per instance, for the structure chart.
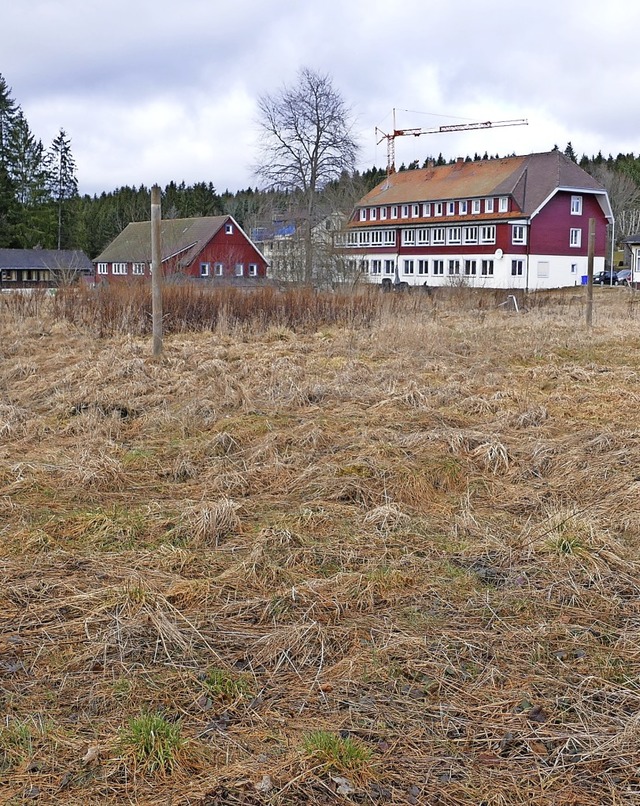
(584, 279)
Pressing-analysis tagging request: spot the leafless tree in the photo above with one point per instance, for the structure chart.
(623, 192)
(307, 141)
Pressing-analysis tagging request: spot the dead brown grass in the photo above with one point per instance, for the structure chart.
(419, 532)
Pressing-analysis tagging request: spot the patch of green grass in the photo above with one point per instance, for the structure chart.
(153, 743)
(17, 740)
(335, 752)
(221, 684)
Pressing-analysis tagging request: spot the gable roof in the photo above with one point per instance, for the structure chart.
(45, 259)
(179, 236)
(530, 179)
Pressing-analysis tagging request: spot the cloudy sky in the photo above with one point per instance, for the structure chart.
(159, 90)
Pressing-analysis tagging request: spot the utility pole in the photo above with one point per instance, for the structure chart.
(156, 271)
(590, 257)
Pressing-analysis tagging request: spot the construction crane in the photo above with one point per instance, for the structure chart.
(455, 127)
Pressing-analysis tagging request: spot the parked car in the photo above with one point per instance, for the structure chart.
(606, 277)
(625, 276)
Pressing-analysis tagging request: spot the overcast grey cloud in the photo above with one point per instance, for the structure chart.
(158, 91)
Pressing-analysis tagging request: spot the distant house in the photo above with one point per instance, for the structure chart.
(42, 268)
(518, 222)
(209, 249)
(632, 255)
(283, 244)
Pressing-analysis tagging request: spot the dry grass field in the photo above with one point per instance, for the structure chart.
(385, 557)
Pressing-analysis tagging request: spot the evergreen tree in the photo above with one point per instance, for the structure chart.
(62, 181)
(28, 174)
(569, 152)
(8, 112)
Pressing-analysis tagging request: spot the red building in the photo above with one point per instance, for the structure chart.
(211, 249)
(518, 222)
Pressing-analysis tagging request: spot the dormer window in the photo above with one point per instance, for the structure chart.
(363, 215)
(503, 204)
(475, 206)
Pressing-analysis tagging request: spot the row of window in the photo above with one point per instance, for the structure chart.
(28, 275)
(421, 266)
(238, 270)
(456, 207)
(138, 269)
(454, 267)
(447, 236)
(442, 208)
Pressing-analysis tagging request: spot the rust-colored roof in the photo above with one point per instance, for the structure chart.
(529, 179)
(185, 237)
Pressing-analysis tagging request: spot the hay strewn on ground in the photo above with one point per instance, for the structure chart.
(420, 534)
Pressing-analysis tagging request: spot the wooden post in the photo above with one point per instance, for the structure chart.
(156, 271)
(590, 257)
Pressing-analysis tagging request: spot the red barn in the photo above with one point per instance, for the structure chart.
(518, 222)
(208, 249)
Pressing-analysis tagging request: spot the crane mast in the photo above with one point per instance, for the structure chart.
(417, 132)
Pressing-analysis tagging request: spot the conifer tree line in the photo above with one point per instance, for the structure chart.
(40, 205)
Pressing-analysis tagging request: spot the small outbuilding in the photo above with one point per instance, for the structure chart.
(42, 268)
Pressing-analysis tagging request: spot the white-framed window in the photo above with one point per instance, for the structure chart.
(376, 266)
(389, 237)
(11, 275)
(454, 267)
(389, 266)
(228, 228)
(218, 269)
(253, 269)
(423, 236)
(470, 235)
(454, 235)
(438, 208)
(451, 208)
(118, 268)
(405, 211)
(462, 207)
(138, 268)
(438, 266)
(423, 267)
(204, 270)
(415, 210)
(426, 209)
(363, 214)
(394, 211)
(364, 267)
(364, 237)
(373, 213)
(503, 204)
(438, 235)
(103, 268)
(517, 268)
(475, 206)
(239, 270)
(488, 205)
(376, 237)
(488, 233)
(408, 237)
(486, 268)
(383, 213)
(518, 234)
(470, 267)
(576, 205)
(407, 267)
(575, 237)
